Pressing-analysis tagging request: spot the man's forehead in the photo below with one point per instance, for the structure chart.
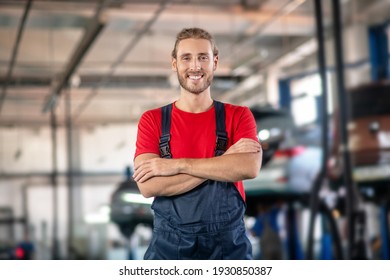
(194, 46)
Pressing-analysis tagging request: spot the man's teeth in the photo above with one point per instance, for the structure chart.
(195, 77)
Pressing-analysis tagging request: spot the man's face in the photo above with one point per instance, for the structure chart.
(195, 65)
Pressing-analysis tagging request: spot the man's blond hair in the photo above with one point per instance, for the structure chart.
(194, 33)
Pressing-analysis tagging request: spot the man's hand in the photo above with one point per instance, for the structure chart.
(244, 145)
(155, 167)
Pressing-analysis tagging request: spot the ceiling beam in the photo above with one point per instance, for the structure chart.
(260, 30)
(92, 31)
(15, 52)
(130, 46)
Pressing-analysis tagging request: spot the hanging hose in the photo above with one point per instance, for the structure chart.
(355, 215)
(338, 252)
(314, 195)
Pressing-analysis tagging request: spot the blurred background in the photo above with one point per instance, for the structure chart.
(77, 75)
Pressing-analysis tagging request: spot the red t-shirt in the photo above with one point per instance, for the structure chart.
(194, 135)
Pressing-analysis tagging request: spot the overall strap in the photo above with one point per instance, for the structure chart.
(222, 139)
(221, 134)
(165, 151)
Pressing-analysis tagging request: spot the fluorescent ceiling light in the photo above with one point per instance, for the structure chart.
(136, 198)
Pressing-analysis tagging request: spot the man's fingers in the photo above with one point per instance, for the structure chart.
(250, 143)
(142, 176)
(152, 167)
(137, 175)
(244, 145)
(141, 171)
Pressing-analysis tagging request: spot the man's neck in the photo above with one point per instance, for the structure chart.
(194, 103)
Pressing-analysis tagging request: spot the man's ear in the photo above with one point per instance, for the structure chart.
(174, 64)
(215, 62)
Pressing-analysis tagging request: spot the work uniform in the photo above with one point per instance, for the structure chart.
(206, 222)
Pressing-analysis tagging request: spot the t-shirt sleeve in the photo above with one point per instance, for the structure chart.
(148, 135)
(245, 126)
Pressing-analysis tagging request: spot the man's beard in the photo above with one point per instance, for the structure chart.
(195, 89)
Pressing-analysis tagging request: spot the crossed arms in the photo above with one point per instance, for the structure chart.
(157, 176)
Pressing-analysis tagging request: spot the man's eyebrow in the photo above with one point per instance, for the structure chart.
(187, 54)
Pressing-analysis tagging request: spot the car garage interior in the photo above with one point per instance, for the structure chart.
(77, 75)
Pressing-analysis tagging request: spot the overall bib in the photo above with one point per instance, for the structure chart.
(204, 223)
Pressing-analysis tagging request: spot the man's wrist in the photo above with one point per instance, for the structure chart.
(184, 166)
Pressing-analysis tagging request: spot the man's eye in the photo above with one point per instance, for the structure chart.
(204, 58)
(186, 58)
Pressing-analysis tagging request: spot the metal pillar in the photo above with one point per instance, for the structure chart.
(75, 222)
(70, 183)
(54, 182)
(352, 196)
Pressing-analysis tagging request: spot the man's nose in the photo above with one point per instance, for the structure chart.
(195, 64)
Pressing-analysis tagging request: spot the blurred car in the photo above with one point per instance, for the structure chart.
(369, 136)
(129, 208)
(290, 160)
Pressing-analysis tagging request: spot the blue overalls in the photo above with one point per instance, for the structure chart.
(204, 223)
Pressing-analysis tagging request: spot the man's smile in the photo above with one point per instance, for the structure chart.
(195, 77)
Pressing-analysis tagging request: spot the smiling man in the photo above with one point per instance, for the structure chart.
(192, 156)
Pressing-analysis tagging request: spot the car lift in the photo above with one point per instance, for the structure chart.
(354, 213)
